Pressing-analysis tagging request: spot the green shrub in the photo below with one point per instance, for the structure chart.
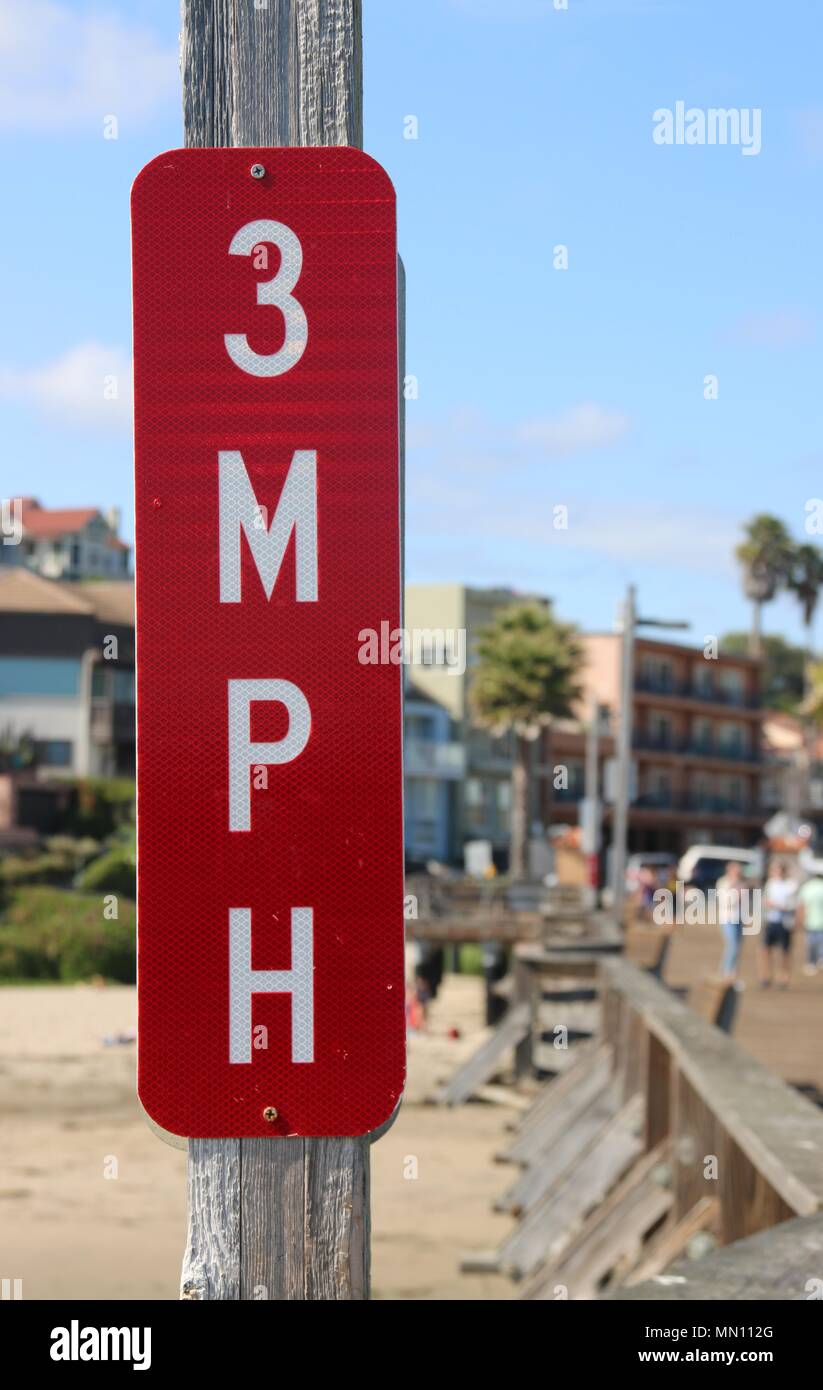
(46, 934)
(79, 852)
(102, 805)
(36, 868)
(112, 872)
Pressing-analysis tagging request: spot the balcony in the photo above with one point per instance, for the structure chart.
(696, 748)
(427, 758)
(569, 795)
(690, 804)
(688, 690)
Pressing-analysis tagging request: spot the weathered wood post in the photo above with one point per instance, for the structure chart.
(279, 1218)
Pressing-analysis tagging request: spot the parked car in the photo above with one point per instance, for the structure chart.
(702, 865)
(661, 861)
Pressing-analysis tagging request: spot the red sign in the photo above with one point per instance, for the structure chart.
(270, 863)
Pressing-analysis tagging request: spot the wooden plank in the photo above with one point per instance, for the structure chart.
(211, 1261)
(287, 1216)
(782, 1264)
(286, 73)
(612, 1234)
(503, 1095)
(563, 1149)
(564, 1100)
(585, 1057)
(574, 1016)
(475, 927)
(673, 1241)
(550, 1062)
(658, 1092)
(486, 1061)
(549, 1227)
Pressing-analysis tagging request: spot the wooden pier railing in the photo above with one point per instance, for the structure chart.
(712, 1101)
(658, 1137)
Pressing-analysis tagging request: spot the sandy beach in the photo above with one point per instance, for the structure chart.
(92, 1203)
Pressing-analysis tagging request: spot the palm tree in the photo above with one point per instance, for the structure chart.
(805, 580)
(765, 555)
(812, 706)
(524, 678)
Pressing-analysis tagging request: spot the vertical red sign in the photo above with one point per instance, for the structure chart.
(270, 862)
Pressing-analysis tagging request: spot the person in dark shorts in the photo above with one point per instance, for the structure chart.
(779, 897)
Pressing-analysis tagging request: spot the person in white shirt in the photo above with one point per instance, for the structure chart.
(779, 900)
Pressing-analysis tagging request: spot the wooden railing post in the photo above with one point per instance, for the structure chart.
(275, 1218)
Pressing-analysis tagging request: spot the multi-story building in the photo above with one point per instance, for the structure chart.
(434, 765)
(698, 763)
(698, 773)
(67, 672)
(67, 543)
(480, 800)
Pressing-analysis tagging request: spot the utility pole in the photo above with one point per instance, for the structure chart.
(275, 1218)
(629, 623)
(590, 808)
(620, 823)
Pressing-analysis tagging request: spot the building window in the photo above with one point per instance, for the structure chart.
(731, 682)
(33, 675)
(99, 683)
(658, 673)
(124, 687)
(731, 738)
(419, 726)
(477, 803)
(54, 753)
(660, 728)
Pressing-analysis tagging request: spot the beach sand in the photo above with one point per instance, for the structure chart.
(70, 1120)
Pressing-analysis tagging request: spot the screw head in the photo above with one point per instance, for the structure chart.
(270, 1114)
(257, 171)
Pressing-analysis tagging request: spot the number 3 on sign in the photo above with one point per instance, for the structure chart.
(277, 291)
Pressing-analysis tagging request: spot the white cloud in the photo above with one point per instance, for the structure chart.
(635, 533)
(61, 68)
(783, 328)
(586, 426)
(471, 442)
(89, 385)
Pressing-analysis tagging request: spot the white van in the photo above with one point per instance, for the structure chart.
(703, 865)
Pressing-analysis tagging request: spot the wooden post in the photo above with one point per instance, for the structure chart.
(275, 1218)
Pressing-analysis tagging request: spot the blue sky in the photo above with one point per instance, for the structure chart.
(538, 387)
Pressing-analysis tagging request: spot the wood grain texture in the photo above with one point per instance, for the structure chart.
(211, 1264)
(784, 1263)
(282, 1218)
(290, 73)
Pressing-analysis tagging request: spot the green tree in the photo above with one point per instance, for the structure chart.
(524, 678)
(783, 664)
(766, 557)
(805, 581)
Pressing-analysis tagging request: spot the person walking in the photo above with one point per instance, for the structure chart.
(810, 916)
(730, 920)
(779, 896)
